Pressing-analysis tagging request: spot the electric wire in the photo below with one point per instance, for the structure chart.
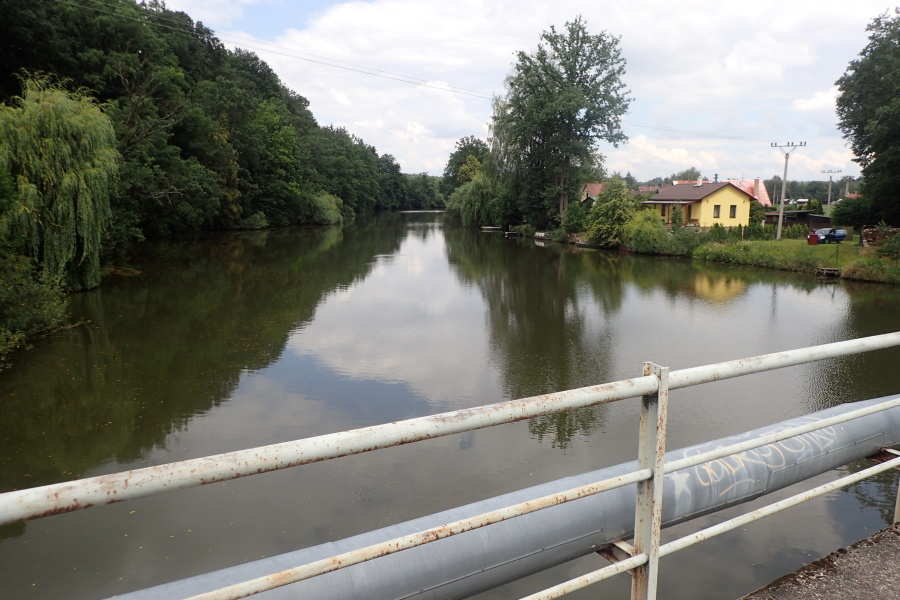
(361, 69)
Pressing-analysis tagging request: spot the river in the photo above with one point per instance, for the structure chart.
(237, 340)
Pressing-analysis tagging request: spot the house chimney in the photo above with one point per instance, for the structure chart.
(699, 181)
(756, 190)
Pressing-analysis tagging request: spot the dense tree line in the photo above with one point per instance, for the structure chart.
(209, 138)
(123, 121)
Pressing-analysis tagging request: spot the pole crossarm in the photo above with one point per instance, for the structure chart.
(791, 146)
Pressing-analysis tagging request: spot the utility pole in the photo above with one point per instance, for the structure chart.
(830, 172)
(787, 154)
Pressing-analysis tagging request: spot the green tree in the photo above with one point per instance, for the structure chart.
(868, 108)
(757, 212)
(677, 217)
(61, 150)
(561, 101)
(465, 147)
(611, 212)
(690, 174)
(815, 207)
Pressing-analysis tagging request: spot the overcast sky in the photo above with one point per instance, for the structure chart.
(713, 83)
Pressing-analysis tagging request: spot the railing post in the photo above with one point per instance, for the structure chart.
(648, 506)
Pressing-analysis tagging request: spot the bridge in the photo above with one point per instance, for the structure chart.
(464, 551)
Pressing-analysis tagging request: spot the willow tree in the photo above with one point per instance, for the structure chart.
(561, 102)
(60, 149)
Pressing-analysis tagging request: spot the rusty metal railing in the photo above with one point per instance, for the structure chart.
(642, 558)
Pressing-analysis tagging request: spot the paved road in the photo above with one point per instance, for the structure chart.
(867, 570)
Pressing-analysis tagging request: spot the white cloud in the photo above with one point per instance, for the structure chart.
(762, 72)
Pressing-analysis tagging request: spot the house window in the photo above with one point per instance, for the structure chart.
(733, 211)
(662, 209)
(716, 209)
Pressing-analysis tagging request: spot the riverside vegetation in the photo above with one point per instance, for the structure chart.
(617, 220)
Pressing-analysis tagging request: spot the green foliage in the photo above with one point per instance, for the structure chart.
(328, 210)
(685, 240)
(771, 255)
(717, 233)
(576, 219)
(646, 234)
(854, 212)
(677, 218)
(31, 302)
(476, 203)
(612, 210)
(61, 150)
(872, 268)
(456, 164)
(868, 108)
(561, 101)
(690, 174)
(757, 212)
(890, 248)
(815, 207)
(210, 138)
(423, 192)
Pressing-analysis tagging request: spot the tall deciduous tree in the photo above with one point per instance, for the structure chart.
(562, 100)
(61, 150)
(868, 108)
(465, 147)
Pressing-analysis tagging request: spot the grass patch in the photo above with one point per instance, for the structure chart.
(855, 262)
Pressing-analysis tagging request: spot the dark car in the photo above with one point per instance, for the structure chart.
(829, 235)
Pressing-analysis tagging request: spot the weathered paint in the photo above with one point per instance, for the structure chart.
(478, 560)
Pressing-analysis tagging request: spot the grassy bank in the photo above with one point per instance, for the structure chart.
(854, 261)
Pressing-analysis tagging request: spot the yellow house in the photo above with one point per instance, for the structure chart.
(705, 204)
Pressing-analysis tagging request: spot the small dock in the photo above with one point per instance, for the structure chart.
(827, 272)
(867, 570)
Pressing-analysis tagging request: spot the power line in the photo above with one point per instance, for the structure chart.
(353, 67)
(291, 53)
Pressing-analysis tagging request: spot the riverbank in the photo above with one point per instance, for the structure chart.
(853, 261)
(868, 570)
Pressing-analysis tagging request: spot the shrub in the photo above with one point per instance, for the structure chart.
(327, 209)
(685, 241)
(613, 209)
(576, 217)
(31, 302)
(646, 234)
(717, 233)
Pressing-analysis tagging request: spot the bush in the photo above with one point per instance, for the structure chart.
(891, 247)
(685, 241)
(327, 210)
(717, 233)
(873, 269)
(576, 218)
(613, 210)
(646, 234)
(31, 302)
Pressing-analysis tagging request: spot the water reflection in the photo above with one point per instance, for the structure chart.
(248, 339)
(158, 348)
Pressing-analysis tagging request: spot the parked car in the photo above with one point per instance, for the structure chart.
(829, 234)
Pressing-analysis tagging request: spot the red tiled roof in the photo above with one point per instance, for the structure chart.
(755, 188)
(593, 189)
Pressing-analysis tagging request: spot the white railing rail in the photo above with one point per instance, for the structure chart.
(652, 387)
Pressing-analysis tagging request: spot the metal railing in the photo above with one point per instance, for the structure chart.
(642, 558)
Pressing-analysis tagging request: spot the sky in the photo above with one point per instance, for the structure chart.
(712, 84)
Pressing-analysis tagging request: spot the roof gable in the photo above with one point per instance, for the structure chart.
(694, 192)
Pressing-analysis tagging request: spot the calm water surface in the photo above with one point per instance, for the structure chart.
(248, 339)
